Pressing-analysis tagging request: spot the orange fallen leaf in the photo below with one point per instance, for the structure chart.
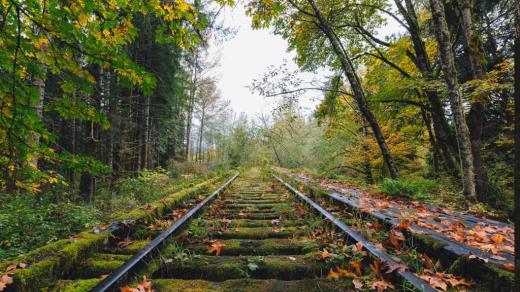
(405, 224)
(497, 238)
(356, 265)
(216, 247)
(345, 273)
(323, 255)
(509, 267)
(333, 275)
(4, 281)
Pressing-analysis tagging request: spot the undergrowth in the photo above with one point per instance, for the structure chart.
(31, 220)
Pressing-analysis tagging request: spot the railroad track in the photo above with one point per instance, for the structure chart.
(484, 270)
(250, 234)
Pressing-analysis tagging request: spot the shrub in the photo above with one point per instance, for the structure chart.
(412, 188)
(28, 220)
(177, 169)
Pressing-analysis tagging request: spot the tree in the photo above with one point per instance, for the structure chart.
(450, 75)
(299, 20)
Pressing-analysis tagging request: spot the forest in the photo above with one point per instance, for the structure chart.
(108, 106)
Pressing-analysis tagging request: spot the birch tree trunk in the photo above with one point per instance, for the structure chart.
(450, 75)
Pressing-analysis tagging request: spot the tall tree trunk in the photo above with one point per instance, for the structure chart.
(39, 83)
(366, 163)
(441, 128)
(191, 106)
(478, 105)
(450, 75)
(146, 134)
(87, 181)
(433, 141)
(355, 83)
(199, 159)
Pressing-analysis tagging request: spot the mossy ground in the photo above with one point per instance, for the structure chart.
(65, 258)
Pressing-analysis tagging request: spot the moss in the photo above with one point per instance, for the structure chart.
(258, 233)
(132, 248)
(49, 263)
(75, 285)
(41, 274)
(37, 254)
(264, 223)
(487, 275)
(252, 285)
(158, 208)
(237, 247)
(229, 267)
(96, 268)
(429, 242)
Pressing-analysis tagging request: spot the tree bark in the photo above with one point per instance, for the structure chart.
(478, 106)
(199, 150)
(355, 83)
(450, 75)
(366, 163)
(145, 150)
(191, 105)
(441, 128)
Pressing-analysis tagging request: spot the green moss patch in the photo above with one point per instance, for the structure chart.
(132, 248)
(75, 285)
(228, 267)
(252, 285)
(258, 233)
(236, 247)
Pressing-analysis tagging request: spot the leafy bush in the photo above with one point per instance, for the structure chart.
(418, 188)
(28, 220)
(177, 169)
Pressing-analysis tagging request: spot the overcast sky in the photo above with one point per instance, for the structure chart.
(248, 55)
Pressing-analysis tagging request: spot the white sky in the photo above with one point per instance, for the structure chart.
(246, 57)
(249, 54)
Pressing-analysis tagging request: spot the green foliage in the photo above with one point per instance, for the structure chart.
(29, 220)
(418, 188)
(55, 51)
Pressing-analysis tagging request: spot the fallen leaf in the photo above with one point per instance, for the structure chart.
(333, 275)
(509, 267)
(404, 224)
(124, 243)
(11, 267)
(497, 238)
(356, 265)
(345, 273)
(216, 247)
(394, 241)
(4, 281)
(396, 267)
(323, 255)
(357, 284)
(381, 285)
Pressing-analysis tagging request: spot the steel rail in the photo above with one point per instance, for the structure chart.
(113, 278)
(408, 276)
(451, 246)
(453, 249)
